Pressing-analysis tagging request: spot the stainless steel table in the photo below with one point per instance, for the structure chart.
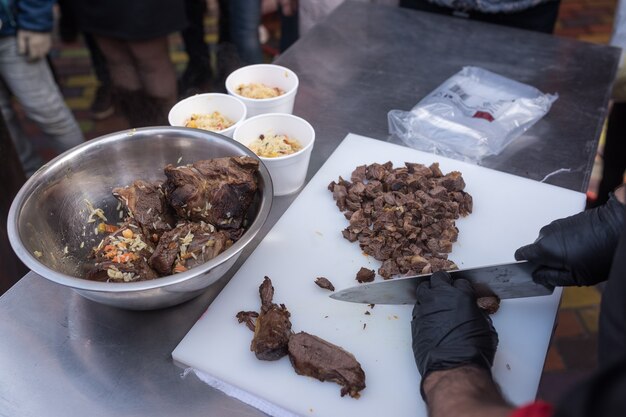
(64, 355)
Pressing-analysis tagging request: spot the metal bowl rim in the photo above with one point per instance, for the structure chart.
(86, 285)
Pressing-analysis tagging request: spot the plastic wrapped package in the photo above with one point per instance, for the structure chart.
(473, 114)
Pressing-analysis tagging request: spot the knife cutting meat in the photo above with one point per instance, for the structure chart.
(509, 280)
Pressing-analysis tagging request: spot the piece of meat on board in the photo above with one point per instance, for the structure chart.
(486, 299)
(323, 282)
(273, 327)
(248, 317)
(315, 357)
(365, 275)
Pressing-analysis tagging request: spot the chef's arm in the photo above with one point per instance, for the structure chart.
(454, 343)
(467, 391)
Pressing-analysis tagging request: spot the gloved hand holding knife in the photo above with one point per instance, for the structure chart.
(577, 250)
(454, 342)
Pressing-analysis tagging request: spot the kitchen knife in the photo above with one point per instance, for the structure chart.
(510, 280)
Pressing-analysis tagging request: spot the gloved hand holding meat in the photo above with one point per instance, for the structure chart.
(577, 250)
(449, 330)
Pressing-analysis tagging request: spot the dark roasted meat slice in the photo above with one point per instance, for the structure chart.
(315, 357)
(122, 256)
(187, 192)
(217, 191)
(324, 283)
(146, 203)
(272, 328)
(187, 246)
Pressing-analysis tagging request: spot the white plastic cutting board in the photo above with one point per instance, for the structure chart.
(307, 243)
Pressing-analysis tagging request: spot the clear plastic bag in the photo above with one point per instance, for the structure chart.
(473, 114)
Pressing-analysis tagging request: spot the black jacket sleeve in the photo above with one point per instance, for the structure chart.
(604, 394)
(612, 332)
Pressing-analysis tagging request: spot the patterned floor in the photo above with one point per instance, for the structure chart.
(573, 351)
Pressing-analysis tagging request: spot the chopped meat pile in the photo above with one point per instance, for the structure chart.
(403, 217)
(171, 227)
(324, 283)
(309, 355)
(315, 357)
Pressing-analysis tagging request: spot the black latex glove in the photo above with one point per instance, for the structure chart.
(449, 330)
(577, 250)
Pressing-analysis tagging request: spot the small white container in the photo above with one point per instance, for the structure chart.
(272, 76)
(288, 172)
(229, 106)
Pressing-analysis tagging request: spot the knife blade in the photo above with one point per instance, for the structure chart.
(509, 280)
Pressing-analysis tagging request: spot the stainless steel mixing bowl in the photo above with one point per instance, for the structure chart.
(48, 226)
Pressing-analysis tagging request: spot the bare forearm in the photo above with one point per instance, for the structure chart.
(468, 391)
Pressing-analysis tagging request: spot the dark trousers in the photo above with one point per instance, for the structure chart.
(612, 323)
(540, 18)
(193, 35)
(98, 61)
(614, 155)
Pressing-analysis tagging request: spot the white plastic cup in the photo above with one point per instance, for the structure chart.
(272, 76)
(228, 105)
(288, 172)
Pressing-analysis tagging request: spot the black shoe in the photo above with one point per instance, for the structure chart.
(102, 105)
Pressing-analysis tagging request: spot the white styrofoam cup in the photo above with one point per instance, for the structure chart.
(272, 76)
(228, 105)
(288, 172)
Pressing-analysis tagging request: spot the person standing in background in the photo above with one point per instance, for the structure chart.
(537, 15)
(614, 154)
(102, 104)
(133, 37)
(244, 19)
(198, 73)
(313, 11)
(25, 39)
(239, 38)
